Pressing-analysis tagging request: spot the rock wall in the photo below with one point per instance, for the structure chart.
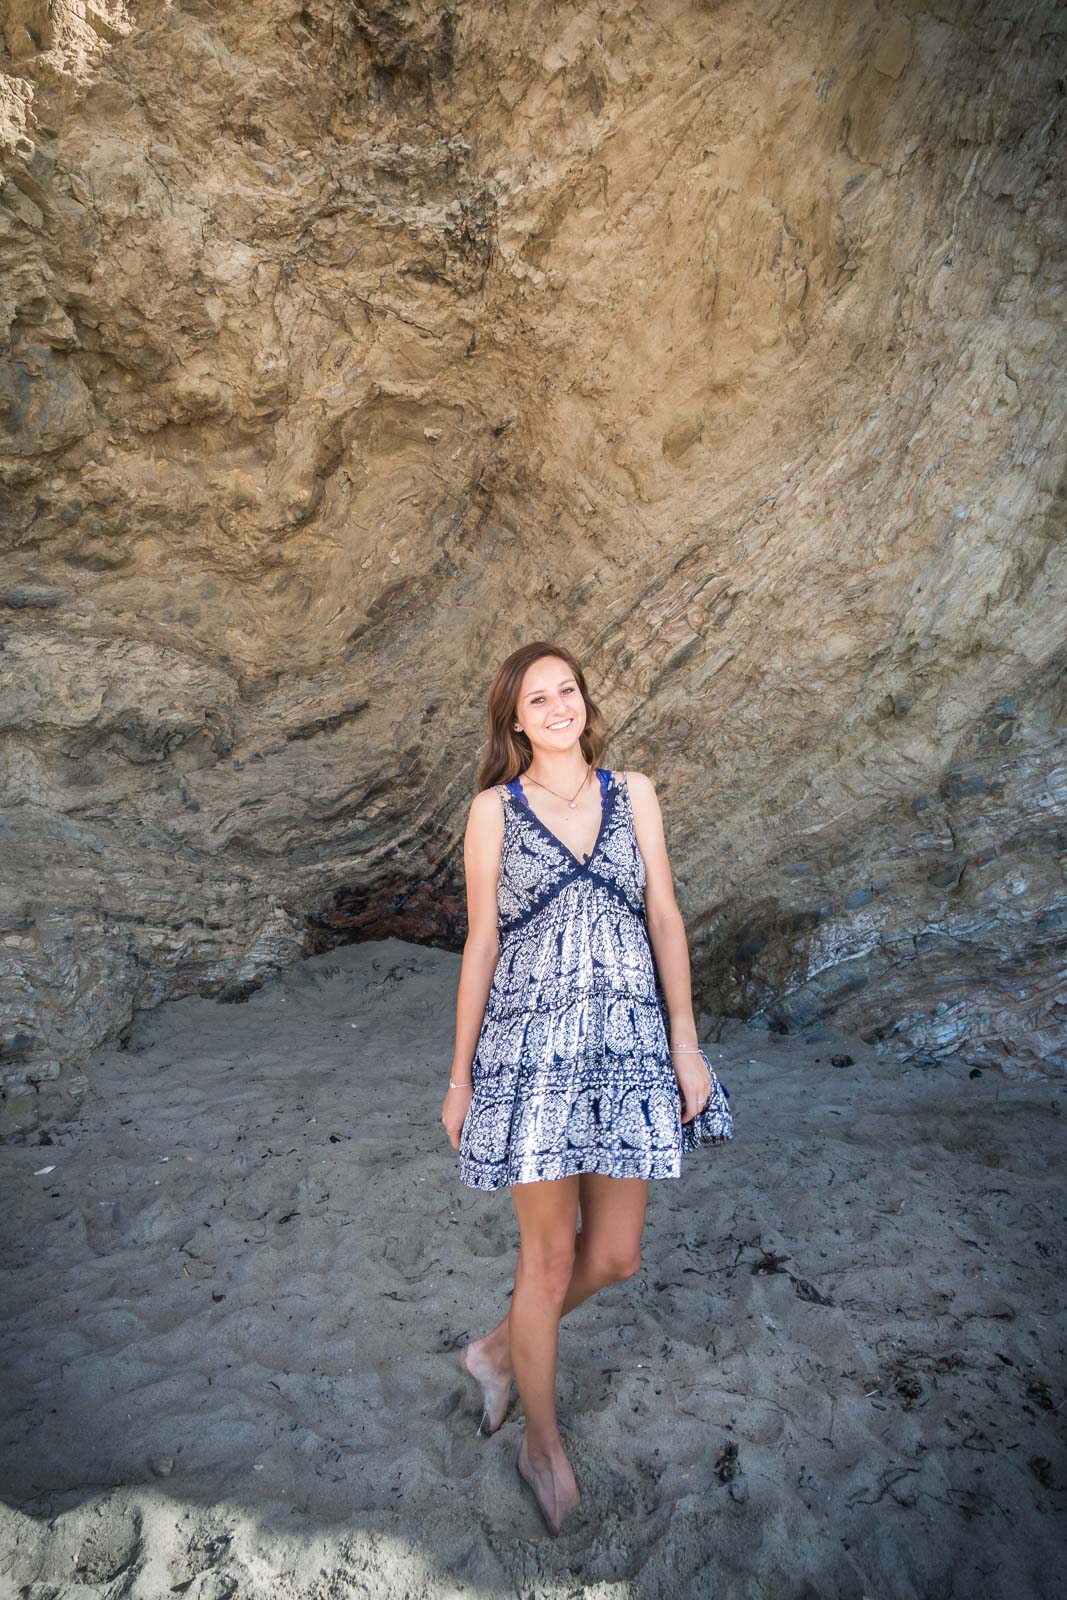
(349, 345)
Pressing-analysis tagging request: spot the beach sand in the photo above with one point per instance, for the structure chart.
(234, 1306)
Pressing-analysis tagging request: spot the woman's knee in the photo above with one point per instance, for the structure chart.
(614, 1266)
(550, 1268)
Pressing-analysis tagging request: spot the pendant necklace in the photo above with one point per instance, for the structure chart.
(572, 803)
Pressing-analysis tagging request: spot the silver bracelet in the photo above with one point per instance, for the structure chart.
(452, 1085)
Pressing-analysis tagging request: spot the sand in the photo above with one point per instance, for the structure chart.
(234, 1307)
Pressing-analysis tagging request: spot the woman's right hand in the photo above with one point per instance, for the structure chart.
(454, 1111)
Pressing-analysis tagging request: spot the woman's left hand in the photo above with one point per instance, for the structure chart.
(694, 1081)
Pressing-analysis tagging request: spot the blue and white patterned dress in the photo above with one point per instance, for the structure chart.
(572, 1072)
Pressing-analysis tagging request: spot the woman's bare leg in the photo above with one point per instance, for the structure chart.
(547, 1215)
(607, 1250)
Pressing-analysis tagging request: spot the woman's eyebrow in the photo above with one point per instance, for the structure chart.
(563, 684)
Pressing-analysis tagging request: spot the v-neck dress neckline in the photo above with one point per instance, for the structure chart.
(608, 786)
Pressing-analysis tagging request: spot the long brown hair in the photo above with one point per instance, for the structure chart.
(508, 753)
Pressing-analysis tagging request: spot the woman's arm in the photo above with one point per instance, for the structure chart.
(666, 930)
(482, 844)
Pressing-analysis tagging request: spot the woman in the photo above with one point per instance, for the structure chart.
(564, 1086)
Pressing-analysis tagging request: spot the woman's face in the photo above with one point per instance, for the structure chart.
(550, 709)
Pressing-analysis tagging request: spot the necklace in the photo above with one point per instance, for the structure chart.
(573, 803)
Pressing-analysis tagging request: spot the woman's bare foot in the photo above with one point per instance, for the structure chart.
(483, 1362)
(553, 1484)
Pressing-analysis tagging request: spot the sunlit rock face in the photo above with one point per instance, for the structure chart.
(348, 347)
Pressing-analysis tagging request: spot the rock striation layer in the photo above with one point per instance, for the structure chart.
(348, 346)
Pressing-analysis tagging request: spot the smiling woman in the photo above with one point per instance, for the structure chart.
(576, 1075)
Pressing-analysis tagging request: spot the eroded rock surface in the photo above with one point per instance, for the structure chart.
(349, 346)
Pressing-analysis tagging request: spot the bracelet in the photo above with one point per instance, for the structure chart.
(452, 1085)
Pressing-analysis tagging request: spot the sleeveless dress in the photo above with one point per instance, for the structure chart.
(572, 1071)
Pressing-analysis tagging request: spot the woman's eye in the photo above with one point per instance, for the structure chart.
(539, 699)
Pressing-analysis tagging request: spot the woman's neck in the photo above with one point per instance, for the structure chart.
(564, 773)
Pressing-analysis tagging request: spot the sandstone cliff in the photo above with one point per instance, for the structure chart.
(349, 345)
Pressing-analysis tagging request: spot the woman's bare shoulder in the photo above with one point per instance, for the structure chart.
(638, 783)
(486, 804)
